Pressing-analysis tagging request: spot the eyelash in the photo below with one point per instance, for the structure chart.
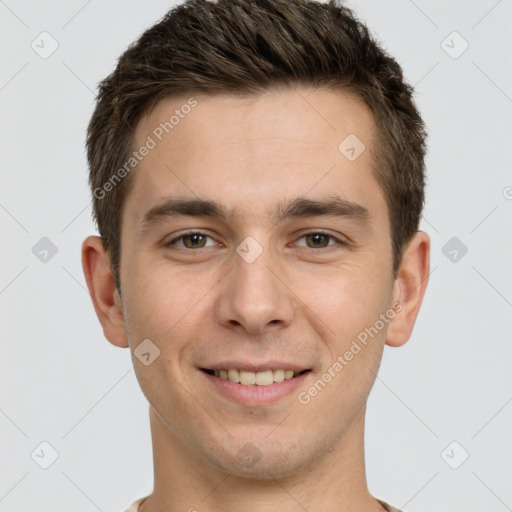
(328, 235)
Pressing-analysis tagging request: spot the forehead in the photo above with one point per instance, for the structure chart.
(251, 152)
(301, 116)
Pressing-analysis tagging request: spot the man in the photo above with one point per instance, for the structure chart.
(257, 170)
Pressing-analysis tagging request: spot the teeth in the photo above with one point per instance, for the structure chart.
(263, 378)
(247, 378)
(234, 375)
(278, 375)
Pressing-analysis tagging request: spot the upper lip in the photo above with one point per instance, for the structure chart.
(255, 367)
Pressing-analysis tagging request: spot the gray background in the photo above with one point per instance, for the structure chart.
(64, 384)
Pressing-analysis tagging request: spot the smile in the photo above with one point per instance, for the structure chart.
(248, 378)
(255, 388)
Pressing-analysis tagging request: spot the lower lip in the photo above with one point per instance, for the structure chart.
(252, 396)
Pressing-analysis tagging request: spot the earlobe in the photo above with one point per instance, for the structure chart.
(409, 289)
(102, 289)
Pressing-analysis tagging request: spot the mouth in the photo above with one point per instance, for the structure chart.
(261, 378)
(255, 388)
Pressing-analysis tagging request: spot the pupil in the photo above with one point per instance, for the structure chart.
(193, 240)
(317, 239)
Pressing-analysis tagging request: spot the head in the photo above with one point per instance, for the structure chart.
(287, 138)
(246, 48)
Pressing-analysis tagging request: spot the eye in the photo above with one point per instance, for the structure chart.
(192, 240)
(198, 240)
(319, 240)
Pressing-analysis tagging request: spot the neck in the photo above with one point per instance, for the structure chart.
(334, 483)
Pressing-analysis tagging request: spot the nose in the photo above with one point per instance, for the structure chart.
(254, 296)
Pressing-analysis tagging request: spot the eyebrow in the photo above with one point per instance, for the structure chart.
(333, 206)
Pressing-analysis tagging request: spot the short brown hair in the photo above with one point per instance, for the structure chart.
(245, 47)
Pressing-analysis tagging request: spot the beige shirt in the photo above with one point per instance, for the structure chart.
(134, 507)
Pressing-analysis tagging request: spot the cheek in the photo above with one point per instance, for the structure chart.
(164, 304)
(349, 305)
(346, 301)
(153, 291)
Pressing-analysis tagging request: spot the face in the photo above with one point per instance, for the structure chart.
(251, 243)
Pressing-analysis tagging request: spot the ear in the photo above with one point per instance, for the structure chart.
(102, 289)
(409, 289)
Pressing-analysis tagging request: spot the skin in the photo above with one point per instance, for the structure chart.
(302, 300)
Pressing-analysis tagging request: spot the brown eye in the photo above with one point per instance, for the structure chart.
(191, 241)
(319, 240)
(194, 240)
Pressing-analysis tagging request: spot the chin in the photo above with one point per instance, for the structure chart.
(267, 461)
